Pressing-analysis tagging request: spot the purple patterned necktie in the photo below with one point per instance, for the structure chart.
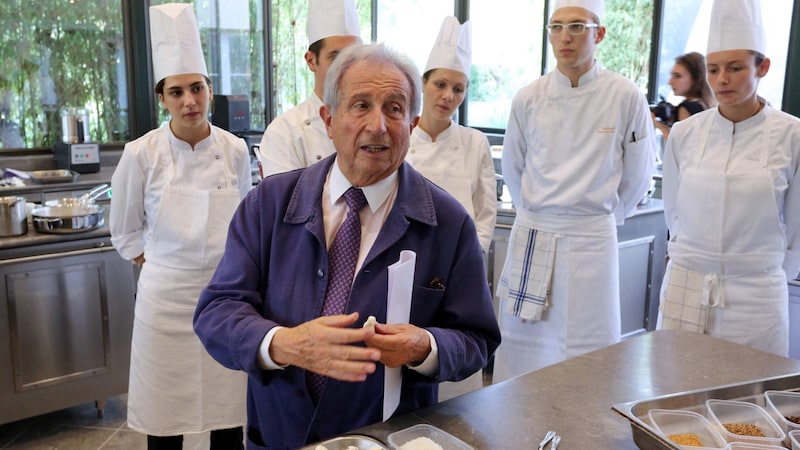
(342, 257)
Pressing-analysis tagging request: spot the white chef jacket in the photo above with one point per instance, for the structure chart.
(137, 183)
(163, 188)
(588, 150)
(576, 160)
(783, 161)
(295, 139)
(460, 162)
(732, 204)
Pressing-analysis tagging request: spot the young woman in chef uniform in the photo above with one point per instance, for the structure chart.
(456, 158)
(175, 190)
(732, 197)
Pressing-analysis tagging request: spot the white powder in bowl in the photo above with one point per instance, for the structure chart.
(421, 443)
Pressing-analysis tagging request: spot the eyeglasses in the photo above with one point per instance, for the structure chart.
(574, 28)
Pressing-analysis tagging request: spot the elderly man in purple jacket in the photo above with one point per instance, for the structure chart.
(262, 311)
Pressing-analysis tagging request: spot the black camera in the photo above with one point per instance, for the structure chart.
(663, 111)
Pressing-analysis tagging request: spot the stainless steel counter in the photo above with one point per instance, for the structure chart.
(575, 397)
(66, 313)
(34, 242)
(84, 182)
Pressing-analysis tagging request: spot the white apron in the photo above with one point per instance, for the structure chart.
(583, 312)
(175, 386)
(739, 295)
(450, 175)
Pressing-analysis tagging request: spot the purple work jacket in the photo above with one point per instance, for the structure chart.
(275, 270)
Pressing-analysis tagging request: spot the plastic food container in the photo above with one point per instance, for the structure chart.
(744, 414)
(782, 405)
(348, 442)
(746, 446)
(794, 438)
(445, 440)
(670, 422)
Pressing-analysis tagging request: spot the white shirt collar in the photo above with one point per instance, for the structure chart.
(177, 143)
(585, 79)
(376, 193)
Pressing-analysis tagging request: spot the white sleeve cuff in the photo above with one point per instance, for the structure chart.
(430, 366)
(264, 361)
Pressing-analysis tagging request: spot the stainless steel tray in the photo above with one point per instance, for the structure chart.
(354, 440)
(53, 176)
(647, 438)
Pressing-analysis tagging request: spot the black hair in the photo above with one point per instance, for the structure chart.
(160, 85)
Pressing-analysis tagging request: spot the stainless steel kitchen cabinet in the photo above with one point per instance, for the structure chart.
(66, 320)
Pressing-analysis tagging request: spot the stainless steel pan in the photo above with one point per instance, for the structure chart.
(67, 219)
(86, 199)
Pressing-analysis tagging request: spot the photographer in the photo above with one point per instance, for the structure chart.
(687, 79)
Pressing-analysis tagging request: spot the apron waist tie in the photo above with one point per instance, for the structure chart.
(712, 294)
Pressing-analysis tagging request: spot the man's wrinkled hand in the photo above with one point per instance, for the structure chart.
(400, 344)
(326, 346)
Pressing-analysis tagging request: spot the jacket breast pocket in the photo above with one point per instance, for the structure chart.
(425, 302)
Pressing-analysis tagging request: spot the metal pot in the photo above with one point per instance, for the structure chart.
(67, 219)
(13, 219)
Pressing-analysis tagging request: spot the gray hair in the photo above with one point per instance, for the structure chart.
(371, 52)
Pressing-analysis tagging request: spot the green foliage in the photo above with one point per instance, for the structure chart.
(293, 81)
(291, 78)
(58, 53)
(626, 47)
(55, 56)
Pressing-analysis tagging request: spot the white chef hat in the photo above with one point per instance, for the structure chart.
(328, 18)
(453, 47)
(736, 25)
(175, 41)
(596, 7)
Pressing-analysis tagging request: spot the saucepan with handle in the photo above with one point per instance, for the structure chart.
(86, 199)
(71, 215)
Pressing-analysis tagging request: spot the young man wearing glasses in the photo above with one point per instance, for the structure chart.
(578, 156)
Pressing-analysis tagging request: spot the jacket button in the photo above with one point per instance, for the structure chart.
(320, 273)
(216, 156)
(299, 393)
(307, 122)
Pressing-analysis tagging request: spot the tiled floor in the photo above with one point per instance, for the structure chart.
(80, 428)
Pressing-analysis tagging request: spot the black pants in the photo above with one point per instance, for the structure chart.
(227, 439)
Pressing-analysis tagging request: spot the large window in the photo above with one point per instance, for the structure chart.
(506, 55)
(56, 54)
(292, 80)
(626, 47)
(685, 29)
(232, 34)
(411, 26)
